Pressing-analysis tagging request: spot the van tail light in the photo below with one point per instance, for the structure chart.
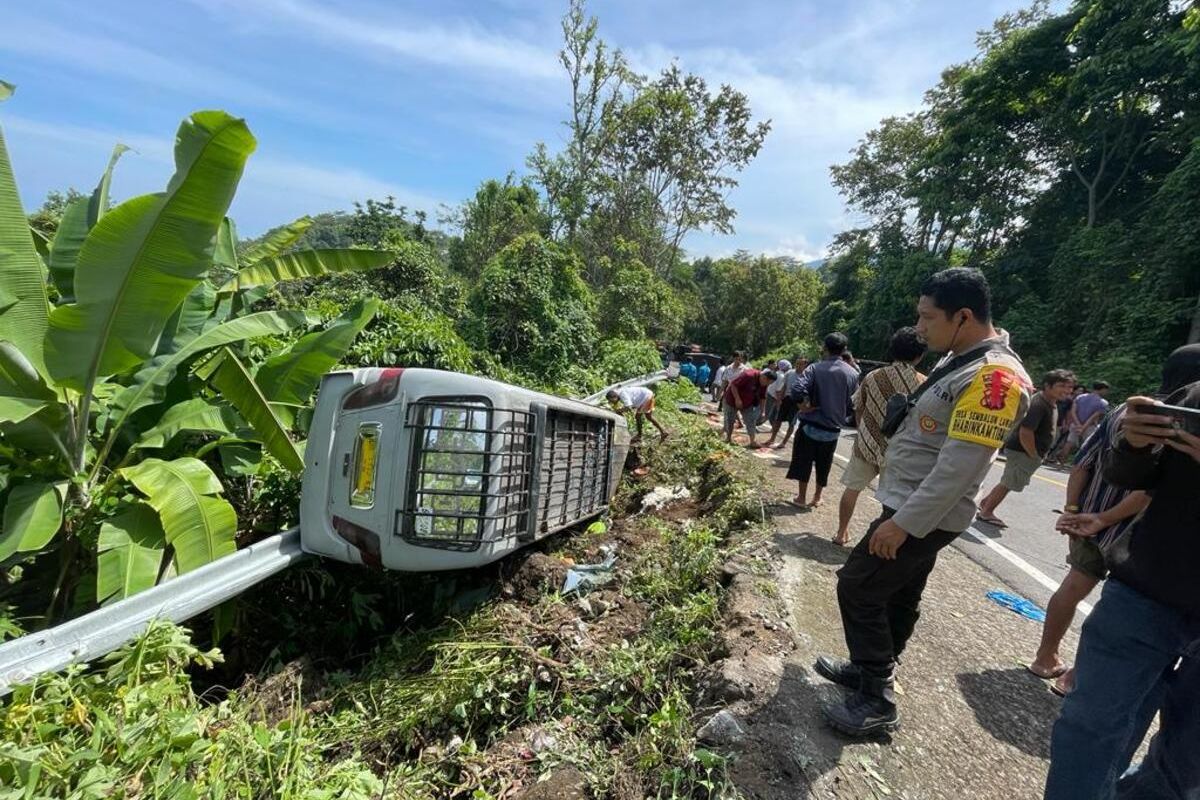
(385, 388)
(365, 541)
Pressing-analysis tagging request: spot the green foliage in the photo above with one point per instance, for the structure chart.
(135, 728)
(498, 214)
(620, 359)
(648, 160)
(757, 304)
(1062, 161)
(429, 705)
(139, 334)
(535, 311)
(411, 337)
(46, 219)
(636, 303)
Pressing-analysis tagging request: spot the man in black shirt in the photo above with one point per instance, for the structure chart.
(1029, 442)
(1139, 653)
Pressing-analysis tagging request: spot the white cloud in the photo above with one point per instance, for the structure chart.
(461, 47)
(273, 190)
(105, 56)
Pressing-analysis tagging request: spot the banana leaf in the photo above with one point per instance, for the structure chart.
(64, 248)
(197, 415)
(98, 202)
(234, 383)
(306, 264)
(199, 526)
(291, 376)
(129, 553)
(32, 516)
(143, 257)
(149, 384)
(276, 241)
(23, 275)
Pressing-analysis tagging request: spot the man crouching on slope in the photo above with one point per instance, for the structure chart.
(935, 461)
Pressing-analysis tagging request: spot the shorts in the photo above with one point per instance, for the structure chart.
(858, 473)
(1086, 556)
(787, 411)
(1018, 470)
(647, 407)
(808, 453)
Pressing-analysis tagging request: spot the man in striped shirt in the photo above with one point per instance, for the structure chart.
(900, 377)
(1095, 517)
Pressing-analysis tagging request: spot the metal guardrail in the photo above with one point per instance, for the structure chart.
(104, 630)
(642, 380)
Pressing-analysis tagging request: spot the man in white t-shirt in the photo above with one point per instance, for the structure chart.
(640, 401)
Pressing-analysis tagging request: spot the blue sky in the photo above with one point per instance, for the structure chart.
(361, 99)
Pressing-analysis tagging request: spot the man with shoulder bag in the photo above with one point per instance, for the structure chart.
(943, 439)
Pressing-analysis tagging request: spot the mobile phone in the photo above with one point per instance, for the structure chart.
(1181, 418)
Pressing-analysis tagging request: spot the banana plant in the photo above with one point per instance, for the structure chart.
(102, 334)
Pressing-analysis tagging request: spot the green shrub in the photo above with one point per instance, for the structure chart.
(534, 310)
(409, 337)
(620, 359)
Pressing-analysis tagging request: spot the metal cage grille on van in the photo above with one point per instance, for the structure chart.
(469, 476)
(573, 477)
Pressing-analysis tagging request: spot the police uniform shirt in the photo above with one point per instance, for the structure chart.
(935, 463)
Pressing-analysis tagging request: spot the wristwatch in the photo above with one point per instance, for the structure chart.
(1071, 509)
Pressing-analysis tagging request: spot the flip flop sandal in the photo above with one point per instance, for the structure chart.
(1054, 674)
(996, 521)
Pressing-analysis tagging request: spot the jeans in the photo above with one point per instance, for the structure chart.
(1136, 657)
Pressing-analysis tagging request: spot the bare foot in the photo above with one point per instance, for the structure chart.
(798, 502)
(816, 503)
(841, 541)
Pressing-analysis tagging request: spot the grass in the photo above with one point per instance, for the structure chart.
(472, 707)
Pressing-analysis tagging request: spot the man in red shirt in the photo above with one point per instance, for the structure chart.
(747, 394)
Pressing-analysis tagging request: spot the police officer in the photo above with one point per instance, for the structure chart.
(933, 467)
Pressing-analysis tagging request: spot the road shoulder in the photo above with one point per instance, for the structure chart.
(975, 722)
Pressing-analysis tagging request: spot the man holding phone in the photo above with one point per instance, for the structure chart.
(1139, 653)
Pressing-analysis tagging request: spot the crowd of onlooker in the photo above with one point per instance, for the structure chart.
(1131, 517)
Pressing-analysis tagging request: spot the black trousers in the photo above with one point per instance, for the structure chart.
(807, 453)
(880, 599)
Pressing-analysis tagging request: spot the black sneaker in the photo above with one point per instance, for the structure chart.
(862, 715)
(839, 670)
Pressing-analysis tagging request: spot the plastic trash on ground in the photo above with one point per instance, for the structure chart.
(1018, 604)
(582, 578)
(660, 496)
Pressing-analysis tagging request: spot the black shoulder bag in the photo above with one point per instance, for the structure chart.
(898, 405)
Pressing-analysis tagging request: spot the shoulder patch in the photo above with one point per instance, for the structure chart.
(985, 412)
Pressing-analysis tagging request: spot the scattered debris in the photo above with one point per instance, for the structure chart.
(583, 578)
(1018, 604)
(661, 496)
